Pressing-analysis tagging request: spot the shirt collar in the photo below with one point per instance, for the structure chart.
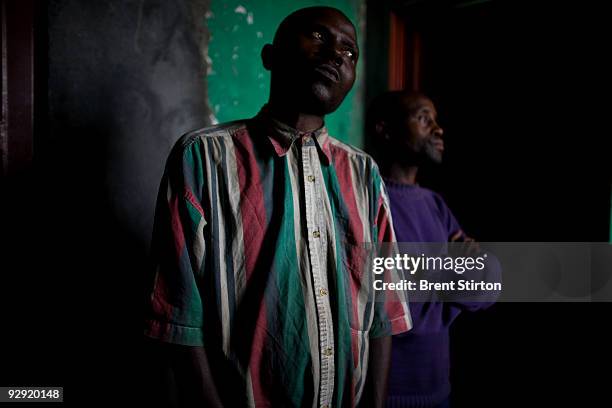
(282, 136)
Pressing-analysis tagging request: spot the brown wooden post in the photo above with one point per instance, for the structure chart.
(17, 77)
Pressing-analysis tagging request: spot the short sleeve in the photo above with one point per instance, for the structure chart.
(174, 305)
(391, 310)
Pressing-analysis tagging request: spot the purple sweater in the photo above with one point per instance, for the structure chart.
(420, 362)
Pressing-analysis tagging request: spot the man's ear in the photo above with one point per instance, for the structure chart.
(267, 56)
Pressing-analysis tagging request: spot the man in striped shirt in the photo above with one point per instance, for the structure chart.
(260, 282)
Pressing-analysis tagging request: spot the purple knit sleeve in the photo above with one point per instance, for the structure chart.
(491, 273)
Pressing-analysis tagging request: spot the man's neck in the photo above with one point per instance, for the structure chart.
(402, 174)
(304, 122)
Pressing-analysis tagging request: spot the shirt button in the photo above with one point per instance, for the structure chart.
(311, 178)
(328, 352)
(316, 234)
(323, 292)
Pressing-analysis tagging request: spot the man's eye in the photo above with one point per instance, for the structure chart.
(317, 35)
(350, 54)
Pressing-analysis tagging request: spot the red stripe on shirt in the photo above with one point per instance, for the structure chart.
(252, 209)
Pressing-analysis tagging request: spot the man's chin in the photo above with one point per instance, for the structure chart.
(433, 155)
(323, 99)
(436, 158)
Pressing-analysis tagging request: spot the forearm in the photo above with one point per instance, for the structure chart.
(193, 377)
(375, 391)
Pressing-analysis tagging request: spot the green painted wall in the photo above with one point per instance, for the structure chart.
(238, 84)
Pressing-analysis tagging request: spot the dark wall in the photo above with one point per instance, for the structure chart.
(126, 79)
(122, 80)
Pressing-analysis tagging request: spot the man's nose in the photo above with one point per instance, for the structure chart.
(438, 131)
(335, 55)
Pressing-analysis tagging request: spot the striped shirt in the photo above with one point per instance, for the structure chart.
(258, 248)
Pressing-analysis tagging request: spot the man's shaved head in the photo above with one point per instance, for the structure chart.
(392, 106)
(403, 128)
(296, 20)
(313, 60)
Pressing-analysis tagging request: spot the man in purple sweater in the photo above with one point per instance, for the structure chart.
(406, 135)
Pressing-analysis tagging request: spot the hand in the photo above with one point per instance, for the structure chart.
(469, 245)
